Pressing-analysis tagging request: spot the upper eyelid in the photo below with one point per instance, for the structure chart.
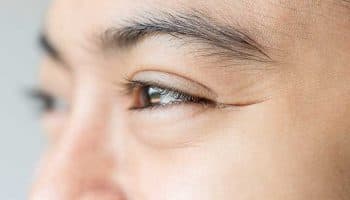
(154, 84)
(173, 81)
(196, 99)
(131, 84)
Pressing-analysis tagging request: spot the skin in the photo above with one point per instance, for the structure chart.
(291, 142)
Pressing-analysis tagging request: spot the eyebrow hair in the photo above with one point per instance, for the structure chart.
(48, 48)
(223, 40)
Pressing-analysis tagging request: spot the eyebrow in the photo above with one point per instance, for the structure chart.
(49, 49)
(194, 27)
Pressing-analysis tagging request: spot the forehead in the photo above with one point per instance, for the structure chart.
(80, 10)
(73, 22)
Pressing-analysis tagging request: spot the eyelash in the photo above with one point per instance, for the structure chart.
(180, 97)
(48, 103)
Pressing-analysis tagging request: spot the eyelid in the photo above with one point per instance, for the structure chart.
(131, 85)
(47, 98)
(174, 82)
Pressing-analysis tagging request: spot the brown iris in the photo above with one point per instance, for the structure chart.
(149, 96)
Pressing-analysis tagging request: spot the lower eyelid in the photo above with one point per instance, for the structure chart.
(169, 106)
(183, 113)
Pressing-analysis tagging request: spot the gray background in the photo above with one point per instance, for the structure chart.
(21, 141)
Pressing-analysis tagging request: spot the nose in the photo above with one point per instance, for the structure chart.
(81, 164)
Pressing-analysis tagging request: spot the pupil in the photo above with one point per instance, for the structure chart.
(154, 95)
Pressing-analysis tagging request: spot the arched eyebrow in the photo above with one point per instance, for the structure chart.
(223, 41)
(194, 27)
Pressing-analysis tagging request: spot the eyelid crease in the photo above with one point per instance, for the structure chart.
(180, 96)
(129, 85)
(175, 81)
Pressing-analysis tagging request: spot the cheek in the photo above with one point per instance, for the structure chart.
(208, 169)
(197, 173)
(244, 155)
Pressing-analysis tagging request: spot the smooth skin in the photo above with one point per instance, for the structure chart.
(283, 132)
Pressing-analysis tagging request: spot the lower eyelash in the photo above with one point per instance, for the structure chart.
(161, 106)
(187, 100)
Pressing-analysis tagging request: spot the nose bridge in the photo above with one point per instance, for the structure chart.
(85, 135)
(83, 140)
(81, 161)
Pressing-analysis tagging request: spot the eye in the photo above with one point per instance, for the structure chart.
(148, 95)
(47, 103)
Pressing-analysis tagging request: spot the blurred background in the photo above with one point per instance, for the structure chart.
(21, 141)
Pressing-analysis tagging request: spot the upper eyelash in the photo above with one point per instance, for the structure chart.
(130, 85)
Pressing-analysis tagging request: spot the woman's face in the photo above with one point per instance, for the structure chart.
(196, 100)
